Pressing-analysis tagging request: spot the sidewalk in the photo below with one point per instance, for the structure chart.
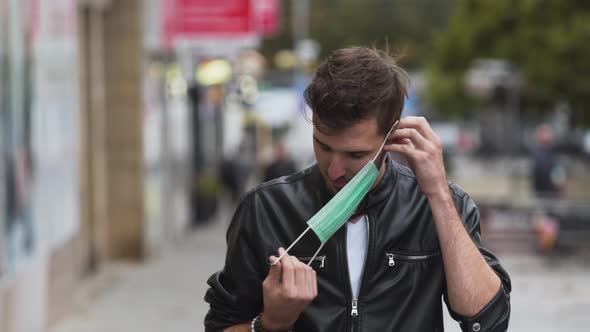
(166, 293)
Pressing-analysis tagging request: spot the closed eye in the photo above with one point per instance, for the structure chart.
(322, 145)
(357, 155)
(352, 154)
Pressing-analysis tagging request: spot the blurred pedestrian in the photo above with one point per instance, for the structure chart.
(237, 170)
(413, 240)
(281, 165)
(547, 179)
(548, 176)
(229, 177)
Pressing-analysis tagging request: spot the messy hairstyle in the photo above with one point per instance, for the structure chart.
(355, 84)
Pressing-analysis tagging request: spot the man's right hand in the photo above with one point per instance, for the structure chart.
(287, 290)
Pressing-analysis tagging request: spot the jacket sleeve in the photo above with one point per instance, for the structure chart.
(495, 315)
(235, 293)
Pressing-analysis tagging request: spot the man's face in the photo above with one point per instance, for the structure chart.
(343, 153)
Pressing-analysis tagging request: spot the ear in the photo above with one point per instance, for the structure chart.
(379, 161)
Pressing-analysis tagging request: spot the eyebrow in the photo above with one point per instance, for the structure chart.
(350, 152)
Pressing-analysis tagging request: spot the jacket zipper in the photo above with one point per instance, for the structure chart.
(393, 257)
(321, 259)
(354, 303)
(354, 312)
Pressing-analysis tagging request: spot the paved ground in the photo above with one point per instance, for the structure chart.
(166, 293)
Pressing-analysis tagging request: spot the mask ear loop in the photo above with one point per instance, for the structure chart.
(316, 253)
(308, 228)
(385, 141)
(291, 246)
(294, 242)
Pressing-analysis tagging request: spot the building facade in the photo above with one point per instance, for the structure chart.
(71, 180)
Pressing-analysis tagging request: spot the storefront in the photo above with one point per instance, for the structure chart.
(39, 102)
(16, 68)
(39, 135)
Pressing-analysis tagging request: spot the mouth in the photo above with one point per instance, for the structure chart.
(338, 184)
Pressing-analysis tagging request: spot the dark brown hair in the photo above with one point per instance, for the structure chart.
(354, 84)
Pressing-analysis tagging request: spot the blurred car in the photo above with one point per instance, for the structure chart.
(277, 106)
(486, 77)
(586, 142)
(449, 134)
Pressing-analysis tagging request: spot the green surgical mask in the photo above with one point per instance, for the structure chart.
(339, 209)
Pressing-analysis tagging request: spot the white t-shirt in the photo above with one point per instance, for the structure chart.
(356, 249)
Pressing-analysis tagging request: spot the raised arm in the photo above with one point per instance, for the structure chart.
(472, 285)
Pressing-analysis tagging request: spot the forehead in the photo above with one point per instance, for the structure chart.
(361, 136)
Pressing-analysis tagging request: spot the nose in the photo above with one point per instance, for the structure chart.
(336, 168)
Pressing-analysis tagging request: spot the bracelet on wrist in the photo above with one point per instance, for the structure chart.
(256, 326)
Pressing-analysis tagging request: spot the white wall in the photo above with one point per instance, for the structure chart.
(55, 122)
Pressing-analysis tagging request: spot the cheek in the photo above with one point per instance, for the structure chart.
(322, 158)
(357, 165)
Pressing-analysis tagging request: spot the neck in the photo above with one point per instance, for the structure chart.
(382, 170)
(355, 219)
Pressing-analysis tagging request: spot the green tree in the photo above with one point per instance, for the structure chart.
(407, 26)
(549, 42)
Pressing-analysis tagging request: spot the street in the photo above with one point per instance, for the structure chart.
(166, 293)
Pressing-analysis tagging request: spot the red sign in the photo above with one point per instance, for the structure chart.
(267, 16)
(193, 19)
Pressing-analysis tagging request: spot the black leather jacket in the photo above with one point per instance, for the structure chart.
(403, 279)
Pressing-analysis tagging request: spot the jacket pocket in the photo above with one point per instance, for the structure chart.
(319, 261)
(392, 257)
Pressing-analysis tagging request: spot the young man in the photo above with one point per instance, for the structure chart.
(414, 239)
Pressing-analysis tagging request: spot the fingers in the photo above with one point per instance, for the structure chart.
(299, 279)
(288, 275)
(305, 281)
(300, 274)
(309, 287)
(296, 280)
(286, 300)
(305, 286)
(312, 283)
(274, 273)
(411, 136)
(420, 124)
(414, 135)
(406, 149)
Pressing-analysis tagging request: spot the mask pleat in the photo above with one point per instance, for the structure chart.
(334, 214)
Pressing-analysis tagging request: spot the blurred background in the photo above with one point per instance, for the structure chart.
(129, 129)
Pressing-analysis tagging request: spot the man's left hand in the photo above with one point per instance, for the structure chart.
(415, 139)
